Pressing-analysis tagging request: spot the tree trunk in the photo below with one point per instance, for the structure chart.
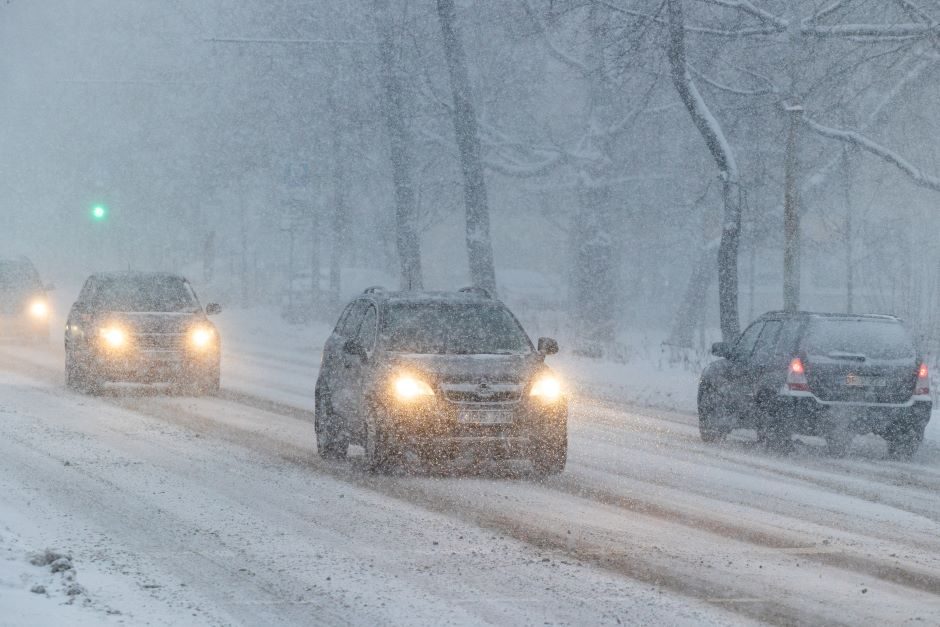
(721, 152)
(595, 264)
(791, 217)
(406, 232)
(848, 227)
(692, 308)
(479, 246)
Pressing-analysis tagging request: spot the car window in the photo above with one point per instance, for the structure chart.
(453, 329)
(767, 342)
(788, 339)
(343, 319)
(154, 293)
(349, 325)
(871, 338)
(745, 344)
(368, 329)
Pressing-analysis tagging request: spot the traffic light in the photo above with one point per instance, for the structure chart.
(99, 212)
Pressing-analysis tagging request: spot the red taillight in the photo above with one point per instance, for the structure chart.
(796, 376)
(923, 381)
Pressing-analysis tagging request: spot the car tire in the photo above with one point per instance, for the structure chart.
(548, 452)
(332, 442)
(383, 452)
(210, 383)
(838, 442)
(80, 378)
(708, 405)
(903, 441)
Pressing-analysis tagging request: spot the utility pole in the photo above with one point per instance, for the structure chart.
(848, 227)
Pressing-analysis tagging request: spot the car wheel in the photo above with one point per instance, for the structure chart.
(549, 451)
(383, 451)
(210, 383)
(709, 406)
(332, 441)
(839, 441)
(79, 377)
(903, 441)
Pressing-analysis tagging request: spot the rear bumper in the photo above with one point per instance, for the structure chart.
(806, 413)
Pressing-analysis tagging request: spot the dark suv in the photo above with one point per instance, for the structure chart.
(832, 375)
(435, 373)
(141, 327)
(24, 306)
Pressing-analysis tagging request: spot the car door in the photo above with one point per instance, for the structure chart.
(358, 369)
(337, 362)
(763, 365)
(738, 375)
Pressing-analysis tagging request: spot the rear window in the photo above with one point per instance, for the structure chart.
(848, 338)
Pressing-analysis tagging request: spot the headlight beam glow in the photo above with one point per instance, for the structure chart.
(409, 388)
(547, 388)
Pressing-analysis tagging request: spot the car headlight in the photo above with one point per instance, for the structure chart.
(202, 337)
(113, 337)
(409, 388)
(546, 388)
(39, 309)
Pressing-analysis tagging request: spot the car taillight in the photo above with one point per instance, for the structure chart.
(796, 376)
(923, 381)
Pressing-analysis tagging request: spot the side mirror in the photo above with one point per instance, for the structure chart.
(213, 309)
(353, 347)
(548, 346)
(49, 287)
(721, 349)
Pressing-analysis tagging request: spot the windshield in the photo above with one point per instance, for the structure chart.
(453, 329)
(144, 294)
(17, 279)
(848, 338)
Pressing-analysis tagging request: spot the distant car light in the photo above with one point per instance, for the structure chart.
(39, 309)
(546, 388)
(114, 337)
(409, 388)
(202, 337)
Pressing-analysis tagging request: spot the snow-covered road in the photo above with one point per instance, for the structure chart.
(217, 510)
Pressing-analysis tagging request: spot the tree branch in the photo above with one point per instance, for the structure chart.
(554, 50)
(872, 147)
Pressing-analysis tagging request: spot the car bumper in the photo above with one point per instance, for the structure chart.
(23, 326)
(808, 414)
(153, 366)
(478, 425)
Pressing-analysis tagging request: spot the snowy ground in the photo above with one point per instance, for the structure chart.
(179, 510)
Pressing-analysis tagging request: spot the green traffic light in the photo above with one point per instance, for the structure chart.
(98, 212)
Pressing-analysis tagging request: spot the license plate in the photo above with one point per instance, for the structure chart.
(855, 380)
(484, 416)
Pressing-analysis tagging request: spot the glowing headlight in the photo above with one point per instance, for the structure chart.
(201, 338)
(547, 388)
(113, 337)
(38, 309)
(408, 388)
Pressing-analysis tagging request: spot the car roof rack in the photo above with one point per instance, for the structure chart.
(479, 291)
(375, 289)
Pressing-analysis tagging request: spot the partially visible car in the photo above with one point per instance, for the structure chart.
(829, 375)
(24, 304)
(141, 327)
(438, 373)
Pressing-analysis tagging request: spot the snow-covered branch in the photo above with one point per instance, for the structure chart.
(864, 143)
(876, 31)
(750, 9)
(722, 87)
(550, 45)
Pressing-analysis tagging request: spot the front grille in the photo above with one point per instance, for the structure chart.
(160, 341)
(482, 392)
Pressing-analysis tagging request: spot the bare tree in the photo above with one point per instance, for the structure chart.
(479, 245)
(402, 155)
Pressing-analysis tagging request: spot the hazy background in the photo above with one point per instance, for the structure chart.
(216, 132)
